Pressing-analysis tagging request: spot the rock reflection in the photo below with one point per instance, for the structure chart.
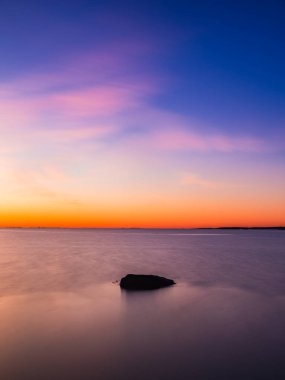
(61, 317)
(104, 333)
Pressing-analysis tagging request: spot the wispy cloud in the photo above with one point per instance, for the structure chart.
(48, 183)
(188, 178)
(98, 95)
(69, 135)
(86, 98)
(96, 106)
(183, 139)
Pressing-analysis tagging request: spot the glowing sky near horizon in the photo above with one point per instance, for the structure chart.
(122, 114)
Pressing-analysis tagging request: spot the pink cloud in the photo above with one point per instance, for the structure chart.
(117, 64)
(75, 134)
(15, 113)
(188, 178)
(90, 97)
(180, 139)
(96, 101)
(93, 86)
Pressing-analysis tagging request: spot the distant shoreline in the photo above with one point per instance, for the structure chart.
(248, 228)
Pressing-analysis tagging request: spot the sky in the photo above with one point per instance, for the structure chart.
(167, 114)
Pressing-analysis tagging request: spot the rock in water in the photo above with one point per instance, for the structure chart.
(144, 282)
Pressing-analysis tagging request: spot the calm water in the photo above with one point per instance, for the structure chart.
(62, 317)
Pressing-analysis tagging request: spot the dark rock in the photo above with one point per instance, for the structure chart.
(144, 282)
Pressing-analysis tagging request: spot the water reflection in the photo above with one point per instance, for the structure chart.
(51, 335)
(103, 333)
(62, 318)
(207, 333)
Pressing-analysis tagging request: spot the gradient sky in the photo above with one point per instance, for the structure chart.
(131, 114)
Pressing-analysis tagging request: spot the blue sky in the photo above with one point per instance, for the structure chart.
(180, 95)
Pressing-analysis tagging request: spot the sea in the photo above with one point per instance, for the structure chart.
(64, 316)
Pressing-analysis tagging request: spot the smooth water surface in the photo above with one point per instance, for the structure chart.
(63, 316)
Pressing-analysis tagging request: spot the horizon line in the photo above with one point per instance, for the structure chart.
(148, 228)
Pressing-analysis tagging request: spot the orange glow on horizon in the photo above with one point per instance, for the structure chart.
(146, 216)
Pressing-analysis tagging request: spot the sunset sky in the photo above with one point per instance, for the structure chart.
(142, 114)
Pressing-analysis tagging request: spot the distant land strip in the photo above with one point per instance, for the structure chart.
(249, 228)
(151, 228)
